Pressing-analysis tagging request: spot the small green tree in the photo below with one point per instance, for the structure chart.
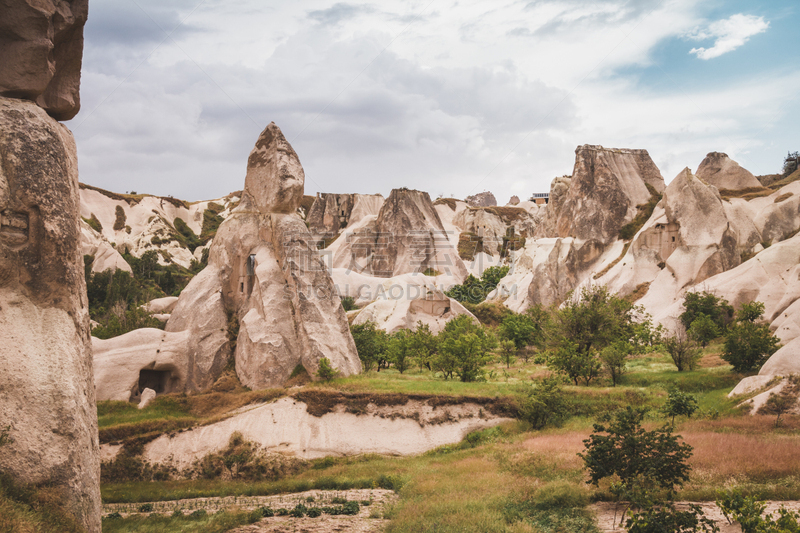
(646, 463)
(398, 351)
(542, 403)
(576, 365)
(614, 358)
(464, 348)
(749, 344)
(684, 352)
(507, 351)
(714, 307)
(326, 372)
(519, 329)
(749, 513)
(679, 404)
(423, 345)
(370, 343)
(703, 330)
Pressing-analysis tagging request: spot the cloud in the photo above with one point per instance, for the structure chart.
(338, 13)
(730, 34)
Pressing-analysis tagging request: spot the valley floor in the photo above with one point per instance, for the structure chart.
(503, 479)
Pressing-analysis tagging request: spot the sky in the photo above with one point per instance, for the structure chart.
(450, 97)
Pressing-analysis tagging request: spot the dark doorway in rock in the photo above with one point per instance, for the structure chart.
(158, 380)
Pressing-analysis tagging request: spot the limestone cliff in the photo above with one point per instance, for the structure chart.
(46, 388)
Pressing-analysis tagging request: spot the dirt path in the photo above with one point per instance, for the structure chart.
(605, 515)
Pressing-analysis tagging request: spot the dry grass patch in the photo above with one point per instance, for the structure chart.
(755, 457)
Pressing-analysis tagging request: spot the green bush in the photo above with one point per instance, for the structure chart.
(371, 343)
(542, 404)
(748, 344)
(120, 218)
(475, 290)
(326, 372)
(349, 303)
(464, 348)
(716, 308)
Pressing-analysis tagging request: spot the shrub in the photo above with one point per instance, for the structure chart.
(326, 372)
(120, 218)
(507, 352)
(349, 303)
(679, 404)
(666, 517)
(94, 223)
(749, 513)
(748, 344)
(542, 404)
(146, 508)
(475, 290)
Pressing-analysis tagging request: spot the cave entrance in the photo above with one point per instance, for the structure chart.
(158, 380)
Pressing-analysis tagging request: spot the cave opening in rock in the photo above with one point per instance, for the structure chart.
(160, 381)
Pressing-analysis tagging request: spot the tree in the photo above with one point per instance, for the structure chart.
(398, 350)
(614, 358)
(703, 330)
(507, 352)
(679, 404)
(542, 403)
(577, 365)
(716, 308)
(594, 320)
(749, 344)
(519, 329)
(475, 290)
(644, 462)
(684, 352)
(464, 347)
(749, 513)
(370, 343)
(423, 345)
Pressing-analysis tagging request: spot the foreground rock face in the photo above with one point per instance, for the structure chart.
(722, 172)
(46, 388)
(264, 273)
(41, 48)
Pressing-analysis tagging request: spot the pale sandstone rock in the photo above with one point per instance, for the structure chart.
(285, 426)
(264, 270)
(331, 213)
(482, 199)
(514, 200)
(105, 256)
(406, 236)
(41, 48)
(492, 225)
(721, 171)
(606, 186)
(148, 395)
(143, 358)
(46, 392)
(162, 305)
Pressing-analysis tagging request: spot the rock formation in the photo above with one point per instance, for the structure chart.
(495, 226)
(406, 236)
(722, 172)
(264, 273)
(331, 213)
(514, 200)
(482, 199)
(46, 388)
(606, 186)
(41, 48)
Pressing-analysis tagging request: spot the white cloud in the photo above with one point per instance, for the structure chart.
(730, 34)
